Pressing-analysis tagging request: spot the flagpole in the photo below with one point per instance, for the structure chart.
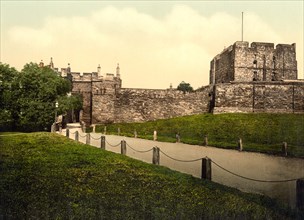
(242, 25)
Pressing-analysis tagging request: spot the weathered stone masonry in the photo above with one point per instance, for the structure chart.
(259, 62)
(274, 97)
(259, 78)
(106, 102)
(138, 105)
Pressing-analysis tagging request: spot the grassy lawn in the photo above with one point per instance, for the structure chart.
(263, 133)
(47, 176)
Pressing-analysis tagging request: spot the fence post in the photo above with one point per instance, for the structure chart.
(123, 147)
(76, 136)
(155, 136)
(105, 130)
(205, 140)
(155, 158)
(135, 133)
(118, 131)
(67, 132)
(206, 168)
(300, 194)
(88, 138)
(284, 148)
(240, 144)
(103, 142)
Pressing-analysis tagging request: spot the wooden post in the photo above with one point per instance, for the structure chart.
(105, 130)
(76, 136)
(300, 194)
(240, 144)
(206, 140)
(103, 142)
(67, 132)
(123, 145)
(206, 168)
(118, 131)
(135, 133)
(155, 158)
(284, 148)
(88, 138)
(155, 136)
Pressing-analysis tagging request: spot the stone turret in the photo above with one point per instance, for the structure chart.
(99, 71)
(51, 63)
(117, 71)
(41, 64)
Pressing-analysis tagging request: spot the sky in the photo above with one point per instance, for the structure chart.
(156, 43)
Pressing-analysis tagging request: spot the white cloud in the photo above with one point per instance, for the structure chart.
(152, 52)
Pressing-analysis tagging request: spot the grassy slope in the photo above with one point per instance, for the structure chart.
(48, 176)
(259, 132)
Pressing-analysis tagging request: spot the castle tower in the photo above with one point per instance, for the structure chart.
(258, 62)
(117, 71)
(99, 71)
(51, 63)
(69, 68)
(41, 64)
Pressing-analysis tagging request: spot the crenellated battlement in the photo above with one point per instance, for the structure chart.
(258, 62)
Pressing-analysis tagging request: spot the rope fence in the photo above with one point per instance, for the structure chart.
(96, 139)
(194, 160)
(206, 163)
(116, 145)
(140, 151)
(185, 161)
(255, 180)
(83, 136)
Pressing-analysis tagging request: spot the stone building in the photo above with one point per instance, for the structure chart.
(259, 62)
(259, 78)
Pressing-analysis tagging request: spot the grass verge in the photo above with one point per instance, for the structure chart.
(47, 176)
(263, 132)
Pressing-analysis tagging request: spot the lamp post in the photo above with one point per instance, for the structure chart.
(53, 129)
(56, 105)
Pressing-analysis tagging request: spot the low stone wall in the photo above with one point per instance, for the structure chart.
(274, 97)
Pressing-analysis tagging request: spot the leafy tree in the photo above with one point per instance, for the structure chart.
(67, 103)
(185, 87)
(7, 77)
(39, 89)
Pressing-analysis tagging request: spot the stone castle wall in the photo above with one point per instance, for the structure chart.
(243, 78)
(274, 97)
(139, 105)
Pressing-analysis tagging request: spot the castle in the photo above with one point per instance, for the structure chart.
(259, 78)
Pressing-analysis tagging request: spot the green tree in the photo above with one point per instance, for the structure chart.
(36, 92)
(66, 103)
(7, 78)
(185, 87)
